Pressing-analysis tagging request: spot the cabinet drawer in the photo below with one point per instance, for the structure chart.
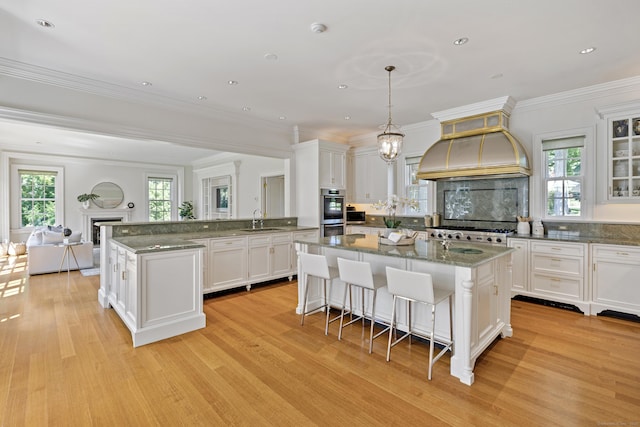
(281, 238)
(571, 249)
(558, 286)
(259, 240)
(619, 253)
(557, 264)
(227, 243)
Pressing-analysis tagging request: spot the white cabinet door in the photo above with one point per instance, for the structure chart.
(623, 136)
(121, 291)
(615, 274)
(131, 279)
(332, 168)
(227, 263)
(114, 273)
(281, 258)
(259, 252)
(369, 178)
(205, 262)
(519, 265)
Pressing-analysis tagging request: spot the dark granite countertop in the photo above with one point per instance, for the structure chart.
(469, 255)
(179, 241)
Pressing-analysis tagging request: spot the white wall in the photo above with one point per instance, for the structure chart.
(554, 113)
(80, 175)
(250, 170)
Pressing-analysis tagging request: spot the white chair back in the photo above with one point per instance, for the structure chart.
(410, 284)
(315, 265)
(356, 272)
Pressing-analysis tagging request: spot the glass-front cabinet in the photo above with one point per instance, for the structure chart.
(624, 155)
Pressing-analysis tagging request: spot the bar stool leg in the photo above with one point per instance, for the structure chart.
(431, 337)
(344, 302)
(305, 280)
(393, 323)
(373, 319)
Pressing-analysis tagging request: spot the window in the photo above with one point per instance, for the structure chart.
(418, 189)
(161, 195)
(216, 197)
(564, 176)
(37, 198)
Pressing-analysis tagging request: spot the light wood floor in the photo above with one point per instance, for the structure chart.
(66, 361)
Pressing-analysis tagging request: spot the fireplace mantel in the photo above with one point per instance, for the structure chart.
(91, 214)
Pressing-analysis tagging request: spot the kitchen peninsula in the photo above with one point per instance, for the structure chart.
(480, 275)
(154, 275)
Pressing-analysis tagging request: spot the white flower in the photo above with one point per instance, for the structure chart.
(393, 203)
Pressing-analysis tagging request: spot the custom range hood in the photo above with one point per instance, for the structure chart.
(475, 146)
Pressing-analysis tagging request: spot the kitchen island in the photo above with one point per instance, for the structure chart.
(480, 276)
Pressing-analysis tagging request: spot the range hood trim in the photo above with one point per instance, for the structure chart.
(445, 166)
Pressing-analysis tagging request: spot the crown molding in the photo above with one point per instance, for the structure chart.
(586, 93)
(504, 103)
(24, 71)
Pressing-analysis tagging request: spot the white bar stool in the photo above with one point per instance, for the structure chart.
(317, 266)
(418, 287)
(358, 273)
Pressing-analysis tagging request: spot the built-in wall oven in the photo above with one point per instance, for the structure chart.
(332, 212)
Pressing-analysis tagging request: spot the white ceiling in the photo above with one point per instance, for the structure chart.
(524, 49)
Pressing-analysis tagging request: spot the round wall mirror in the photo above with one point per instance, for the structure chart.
(111, 195)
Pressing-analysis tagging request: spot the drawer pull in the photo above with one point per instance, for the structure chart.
(556, 260)
(555, 280)
(622, 253)
(556, 249)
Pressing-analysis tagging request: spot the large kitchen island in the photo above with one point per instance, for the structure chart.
(479, 274)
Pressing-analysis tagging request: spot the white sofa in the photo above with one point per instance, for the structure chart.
(45, 251)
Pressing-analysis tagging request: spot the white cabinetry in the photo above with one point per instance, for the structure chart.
(227, 263)
(519, 265)
(621, 165)
(370, 176)
(332, 168)
(205, 261)
(558, 272)
(615, 278)
(269, 257)
(157, 294)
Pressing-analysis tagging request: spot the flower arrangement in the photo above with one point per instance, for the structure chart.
(391, 205)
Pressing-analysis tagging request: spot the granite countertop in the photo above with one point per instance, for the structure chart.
(179, 241)
(574, 237)
(424, 250)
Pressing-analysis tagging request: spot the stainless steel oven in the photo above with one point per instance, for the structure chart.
(332, 212)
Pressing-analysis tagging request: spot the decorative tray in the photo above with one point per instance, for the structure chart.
(404, 240)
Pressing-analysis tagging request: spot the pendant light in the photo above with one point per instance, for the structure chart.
(390, 141)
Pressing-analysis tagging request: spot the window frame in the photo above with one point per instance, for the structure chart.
(173, 196)
(587, 168)
(16, 193)
(429, 186)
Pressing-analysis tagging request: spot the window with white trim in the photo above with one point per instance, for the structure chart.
(161, 198)
(418, 189)
(37, 196)
(563, 182)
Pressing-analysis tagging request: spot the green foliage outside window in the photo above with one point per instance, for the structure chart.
(564, 181)
(160, 199)
(37, 199)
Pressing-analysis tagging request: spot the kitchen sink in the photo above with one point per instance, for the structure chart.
(469, 251)
(253, 230)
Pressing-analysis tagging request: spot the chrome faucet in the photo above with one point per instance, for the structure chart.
(254, 221)
(445, 239)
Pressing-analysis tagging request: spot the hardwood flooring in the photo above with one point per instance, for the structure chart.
(64, 360)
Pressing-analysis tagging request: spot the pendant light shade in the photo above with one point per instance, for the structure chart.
(390, 141)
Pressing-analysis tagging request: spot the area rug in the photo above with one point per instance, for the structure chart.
(90, 271)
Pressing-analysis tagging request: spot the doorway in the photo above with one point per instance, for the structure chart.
(273, 196)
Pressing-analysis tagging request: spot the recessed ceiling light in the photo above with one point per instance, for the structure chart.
(347, 117)
(283, 117)
(460, 41)
(145, 83)
(342, 86)
(202, 98)
(271, 57)
(44, 23)
(588, 50)
(246, 108)
(318, 28)
(232, 82)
